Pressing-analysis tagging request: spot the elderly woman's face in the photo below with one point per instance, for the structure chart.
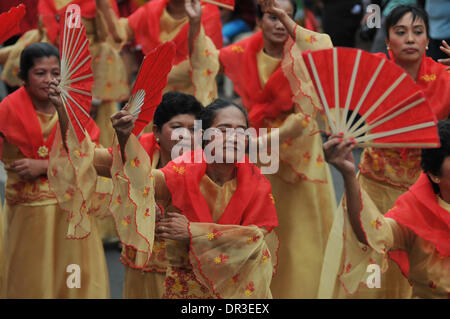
(408, 39)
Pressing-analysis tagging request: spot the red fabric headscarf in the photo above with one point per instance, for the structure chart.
(239, 61)
(145, 23)
(251, 204)
(419, 210)
(20, 125)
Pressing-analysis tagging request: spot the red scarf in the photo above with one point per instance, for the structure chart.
(418, 209)
(51, 16)
(251, 204)
(434, 81)
(148, 142)
(20, 125)
(240, 65)
(146, 25)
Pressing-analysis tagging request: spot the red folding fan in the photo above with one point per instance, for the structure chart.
(76, 73)
(371, 99)
(227, 4)
(150, 83)
(10, 22)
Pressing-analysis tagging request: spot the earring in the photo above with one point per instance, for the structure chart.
(388, 48)
(426, 47)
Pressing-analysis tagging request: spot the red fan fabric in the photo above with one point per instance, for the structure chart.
(153, 78)
(51, 16)
(145, 23)
(83, 69)
(251, 204)
(240, 65)
(10, 22)
(20, 126)
(418, 209)
(227, 4)
(406, 92)
(148, 142)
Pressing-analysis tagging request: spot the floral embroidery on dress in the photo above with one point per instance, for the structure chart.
(249, 289)
(253, 239)
(146, 191)
(126, 220)
(234, 279)
(207, 72)
(214, 234)
(179, 169)
(376, 223)
(237, 49)
(311, 39)
(135, 162)
(428, 77)
(306, 157)
(320, 161)
(221, 259)
(80, 154)
(42, 151)
(265, 256)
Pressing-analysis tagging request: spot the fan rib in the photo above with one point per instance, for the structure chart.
(321, 93)
(350, 89)
(78, 66)
(378, 102)
(70, 61)
(395, 132)
(390, 145)
(77, 104)
(68, 107)
(78, 91)
(366, 92)
(70, 48)
(377, 122)
(336, 90)
(70, 81)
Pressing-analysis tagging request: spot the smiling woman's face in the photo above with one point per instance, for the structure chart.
(39, 76)
(408, 39)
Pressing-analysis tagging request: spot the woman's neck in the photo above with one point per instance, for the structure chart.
(164, 159)
(273, 50)
(43, 106)
(176, 9)
(221, 173)
(412, 68)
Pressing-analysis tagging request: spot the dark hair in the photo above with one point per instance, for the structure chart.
(176, 103)
(209, 113)
(400, 11)
(33, 52)
(432, 158)
(259, 13)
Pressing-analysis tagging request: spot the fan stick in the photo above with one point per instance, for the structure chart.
(78, 105)
(78, 91)
(70, 61)
(78, 79)
(390, 145)
(321, 93)
(69, 54)
(366, 92)
(67, 108)
(336, 89)
(78, 66)
(378, 102)
(394, 132)
(350, 90)
(376, 123)
(217, 3)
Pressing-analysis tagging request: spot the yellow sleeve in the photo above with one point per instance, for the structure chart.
(205, 66)
(383, 235)
(133, 199)
(309, 40)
